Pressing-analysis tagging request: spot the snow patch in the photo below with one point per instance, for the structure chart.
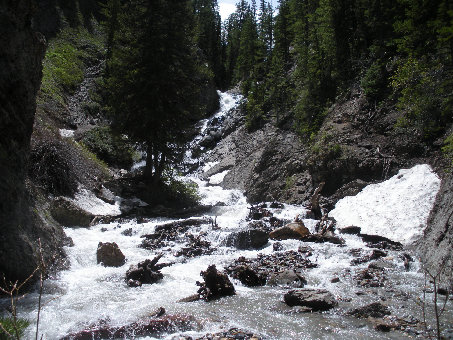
(67, 133)
(397, 208)
(218, 178)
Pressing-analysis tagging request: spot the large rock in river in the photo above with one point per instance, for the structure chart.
(248, 239)
(65, 212)
(110, 255)
(316, 299)
(293, 230)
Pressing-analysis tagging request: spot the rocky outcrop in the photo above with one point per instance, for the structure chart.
(315, 299)
(110, 255)
(436, 248)
(21, 221)
(65, 212)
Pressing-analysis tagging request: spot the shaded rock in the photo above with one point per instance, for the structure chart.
(370, 277)
(232, 334)
(381, 242)
(316, 299)
(196, 246)
(277, 246)
(65, 212)
(383, 326)
(293, 230)
(258, 212)
(215, 285)
(248, 239)
(375, 254)
(287, 278)
(105, 194)
(375, 310)
(110, 255)
(153, 328)
(351, 230)
(318, 238)
(249, 277)
(146, 272)
(127, 232)
(335, 280)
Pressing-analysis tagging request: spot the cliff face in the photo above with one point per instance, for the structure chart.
(20, 75)
(436, 247)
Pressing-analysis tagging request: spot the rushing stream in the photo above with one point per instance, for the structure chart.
(89, 294)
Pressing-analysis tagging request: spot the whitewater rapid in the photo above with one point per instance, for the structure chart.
(89, 294)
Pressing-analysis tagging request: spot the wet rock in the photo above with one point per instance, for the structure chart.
(370, 278)
(110, 255)
(277, 246)
(127, 232)
(248, 239)
(105, 194)
(381, 242)
(375, 254)
(258, 212)
(65, 212)
(316, 299)
(152, 328)
(318, 238)
(276, 205)
(232, 334)
(335, 280)
(383, 326)
(375, 310)
(293, 230)
(215, 285)
(351, 230)
(249, 277)
(196, 246)
(286, 278)
(258, 271)
(146, 272)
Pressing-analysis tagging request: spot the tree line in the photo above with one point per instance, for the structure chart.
(291, 63)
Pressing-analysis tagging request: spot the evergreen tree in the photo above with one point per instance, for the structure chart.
(153, 83)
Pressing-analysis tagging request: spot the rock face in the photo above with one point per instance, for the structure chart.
(435, 248)
(316, 299)
(68, 214)
(110, 255)
(293, 230)
(20, 74)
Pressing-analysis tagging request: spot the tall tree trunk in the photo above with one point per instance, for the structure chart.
(148, 173)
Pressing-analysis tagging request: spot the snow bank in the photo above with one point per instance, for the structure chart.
(397, 208)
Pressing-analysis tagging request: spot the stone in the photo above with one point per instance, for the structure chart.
(154, 327)
(110, 255)
(146, 272)
(65, 212)
(287, 278)
(375, 310)
(215, 285)
(318, 238)
(248, 239)
(351, 230)
(249, 277)
(316, 299)
(376, 241)
(293, 230)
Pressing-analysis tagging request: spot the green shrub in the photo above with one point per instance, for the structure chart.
(375, 80)
(8, 325)
(112, 148)
(185, 193)
(447, 149)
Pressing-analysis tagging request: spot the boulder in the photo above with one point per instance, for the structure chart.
(65, 212)
(316, 299)
(286, 278)
(215, 285)
(110, 255)
(375, 310)
(248, 239)
(293, 230)
(318, 238)
(249, 277)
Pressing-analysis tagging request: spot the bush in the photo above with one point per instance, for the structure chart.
(375, 81)
(8, 325)
(50, 168)
(111, 148)
(185, 193)
(447, 149)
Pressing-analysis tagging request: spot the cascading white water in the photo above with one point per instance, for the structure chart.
(88, 293)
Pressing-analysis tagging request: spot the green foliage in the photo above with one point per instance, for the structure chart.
(114, 149)
(289, 182)
(325, 149)
(375, 80)
(10, 326)
(183, 192)
(65, 61)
